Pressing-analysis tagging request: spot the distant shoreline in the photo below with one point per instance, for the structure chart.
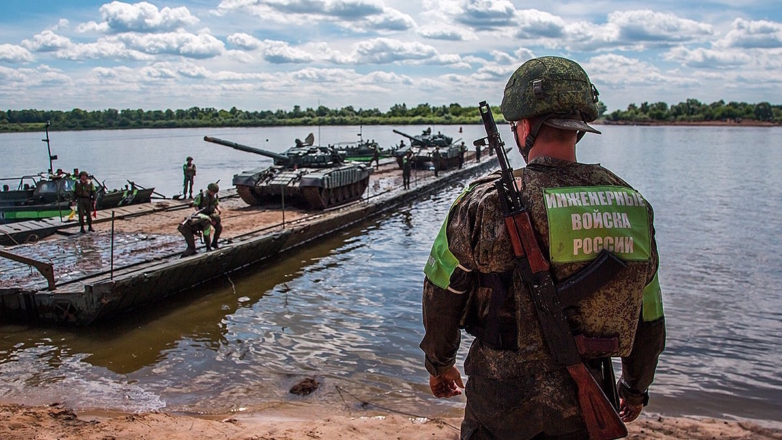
(731, 123)
(37, 127)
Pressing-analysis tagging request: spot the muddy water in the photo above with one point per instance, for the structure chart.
(347, 310)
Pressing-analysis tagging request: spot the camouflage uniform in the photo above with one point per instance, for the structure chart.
(195, 224)
(522, 393)
(84, 194)
(406, 168)
(189, 171)
(207, 203)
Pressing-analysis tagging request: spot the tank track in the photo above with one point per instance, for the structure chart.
(248, 195)
(322, 198)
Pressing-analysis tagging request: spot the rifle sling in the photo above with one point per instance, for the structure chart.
(502, 335)
(590, 279)
(499, 334)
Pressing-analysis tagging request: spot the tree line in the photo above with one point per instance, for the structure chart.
(693, 110)
(690, 110)
(77, 119)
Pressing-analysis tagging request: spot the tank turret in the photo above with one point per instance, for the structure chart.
(279, 159)
(304, 154)
(422, 148)
(426, 139)
(318, 177)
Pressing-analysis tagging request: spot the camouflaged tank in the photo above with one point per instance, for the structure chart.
(314, 176)
(361, 151)
(423, 146)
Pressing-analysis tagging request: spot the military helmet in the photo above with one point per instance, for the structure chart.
(213, 187)
(83, 173)
(189, 158)
(550, 85)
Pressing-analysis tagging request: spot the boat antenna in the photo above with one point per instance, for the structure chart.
(49, 148)
(360, 132)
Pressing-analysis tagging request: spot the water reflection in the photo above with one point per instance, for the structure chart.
(347, 310)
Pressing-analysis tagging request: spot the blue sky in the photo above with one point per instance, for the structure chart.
(274, 54)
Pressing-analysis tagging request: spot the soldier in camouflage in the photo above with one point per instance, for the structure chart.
(84, 194)
(207, 204)
(516, 390)
(189, 171)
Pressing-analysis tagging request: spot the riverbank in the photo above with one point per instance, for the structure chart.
(728, 123)
(18, 422)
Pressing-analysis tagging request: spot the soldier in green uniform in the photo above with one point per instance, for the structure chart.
(375, 158)
(84, 195)
(406, 168)
(436, 160)
(207, 204)
(516, 390)
(196, 224)
(189, 171)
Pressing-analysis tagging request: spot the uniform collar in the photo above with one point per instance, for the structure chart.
(549, 161)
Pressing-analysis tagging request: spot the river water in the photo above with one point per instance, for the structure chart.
(347, 310)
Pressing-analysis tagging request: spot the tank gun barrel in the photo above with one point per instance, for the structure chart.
(279, 159)
(405, 135)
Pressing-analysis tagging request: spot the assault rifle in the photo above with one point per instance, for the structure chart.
(191, 216)
(600, 417)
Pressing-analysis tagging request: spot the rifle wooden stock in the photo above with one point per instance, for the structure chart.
(520, 228)
(603, 423)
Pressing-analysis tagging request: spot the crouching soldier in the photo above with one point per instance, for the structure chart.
(199, 224)
(207, 204)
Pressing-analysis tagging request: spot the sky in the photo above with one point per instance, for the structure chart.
(275, 54)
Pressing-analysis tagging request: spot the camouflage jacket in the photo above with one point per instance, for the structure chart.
(478, 243)
(189, 170)
(84, 190)
(207, 203)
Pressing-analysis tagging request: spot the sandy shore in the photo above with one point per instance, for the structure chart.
(58, 422)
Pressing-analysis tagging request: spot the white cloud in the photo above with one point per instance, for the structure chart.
(62, 23)
(47, 41)
(535, 24)
(244, 41)
(42, 75)
(390, 20)
(657, 27)
(486, 14)
(355, 15)
(443, 31)
(613, 70)
(753, 34)
(280, 52)
(707, 58)
(276, 52)
(144, 17)
(102, 49)
(11, 53)
(624, 30)
(92, 26)
(175, 43)
(387, 50)
(158, 72)
(190, 70)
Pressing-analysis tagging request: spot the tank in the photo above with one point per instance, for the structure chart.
(422, 150)
(361, 151)
(315, 177)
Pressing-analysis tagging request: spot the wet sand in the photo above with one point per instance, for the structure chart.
(57, 422)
